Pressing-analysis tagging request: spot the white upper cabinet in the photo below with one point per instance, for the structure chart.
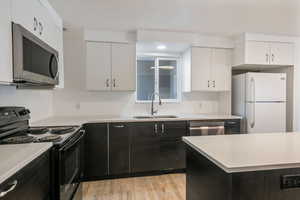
(123, 67)
(110, 66)
(281, 53)
(98, 66)
(263, 53)
(221, 69)
(201, 67)
(207, 69)
(26, 13)
(257, 53)
(6, 43)
(39, 18)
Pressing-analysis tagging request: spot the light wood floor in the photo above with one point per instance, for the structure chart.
(164, 187)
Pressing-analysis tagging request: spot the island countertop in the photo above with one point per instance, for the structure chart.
(249, 152)
(16, 156)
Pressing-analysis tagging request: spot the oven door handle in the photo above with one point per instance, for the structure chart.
(70, 145)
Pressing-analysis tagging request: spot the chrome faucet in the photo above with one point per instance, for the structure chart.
(152, 103)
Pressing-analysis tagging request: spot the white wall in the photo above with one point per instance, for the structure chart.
(38, 101)
(75, 100)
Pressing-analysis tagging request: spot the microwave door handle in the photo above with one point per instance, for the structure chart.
(70, 145)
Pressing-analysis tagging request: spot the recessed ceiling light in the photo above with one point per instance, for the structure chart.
(161, 47)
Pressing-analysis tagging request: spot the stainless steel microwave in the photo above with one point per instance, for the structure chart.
(34, 61)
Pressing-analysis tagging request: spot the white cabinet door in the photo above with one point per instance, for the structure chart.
(282, 53)
(257, 53)
(221, 70)
(47, 29)
(123, 67)
(201, 67)
(98, 66)
(26, 13)
(51, 30)
(6, 43)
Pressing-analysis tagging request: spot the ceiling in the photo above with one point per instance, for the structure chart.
(222, 17)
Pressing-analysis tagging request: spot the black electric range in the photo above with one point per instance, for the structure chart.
(57, 135)
(67, 151)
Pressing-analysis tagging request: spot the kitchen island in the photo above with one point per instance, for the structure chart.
(243, 167)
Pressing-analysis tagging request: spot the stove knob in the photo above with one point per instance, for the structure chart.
(24, 112)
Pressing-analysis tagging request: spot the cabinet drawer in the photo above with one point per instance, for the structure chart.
(32, 182)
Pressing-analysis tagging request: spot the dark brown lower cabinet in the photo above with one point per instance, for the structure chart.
(95, 151)
(205, 180)
(145, 147)
(172, 149)
(31, 183)
(157, 146)
(119, 149)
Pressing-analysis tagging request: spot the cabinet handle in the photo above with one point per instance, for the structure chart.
(35, 24)
(273, 58)
(231, 123)
(107, 82)
(162, 128)
(12, 186)
(155, 128)
(119, 126)
(114, 82)
(41, 28)
(214, 84)
(267, 58)
(208, 84)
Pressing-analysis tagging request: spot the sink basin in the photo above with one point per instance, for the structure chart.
(155, 117)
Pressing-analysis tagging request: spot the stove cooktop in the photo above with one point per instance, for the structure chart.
(57, 135)
(18, 139)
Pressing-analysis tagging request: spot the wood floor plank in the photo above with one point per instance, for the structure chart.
(163, 187)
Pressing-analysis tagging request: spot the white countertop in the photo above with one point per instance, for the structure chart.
(15, 157)
(79, 120)
(249, 152)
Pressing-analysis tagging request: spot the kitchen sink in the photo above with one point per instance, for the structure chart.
(155, 117)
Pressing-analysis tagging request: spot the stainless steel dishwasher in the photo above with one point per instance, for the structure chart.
(199, 128)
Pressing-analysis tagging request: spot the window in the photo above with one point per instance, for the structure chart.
(157, 74)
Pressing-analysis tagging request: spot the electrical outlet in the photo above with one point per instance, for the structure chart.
(290, 181)
(200, 105)
(77, 106)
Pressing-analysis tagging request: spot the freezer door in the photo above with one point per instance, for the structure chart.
(266, 117)
(265, 87)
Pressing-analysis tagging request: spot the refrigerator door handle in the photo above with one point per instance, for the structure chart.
(253, 102)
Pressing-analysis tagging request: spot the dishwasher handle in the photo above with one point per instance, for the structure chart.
(207, 128)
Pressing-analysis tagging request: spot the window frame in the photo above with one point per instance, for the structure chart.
(158, 57)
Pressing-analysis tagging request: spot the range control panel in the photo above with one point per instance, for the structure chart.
(290, 181)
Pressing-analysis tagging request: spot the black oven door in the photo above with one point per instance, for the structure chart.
(70, 169)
